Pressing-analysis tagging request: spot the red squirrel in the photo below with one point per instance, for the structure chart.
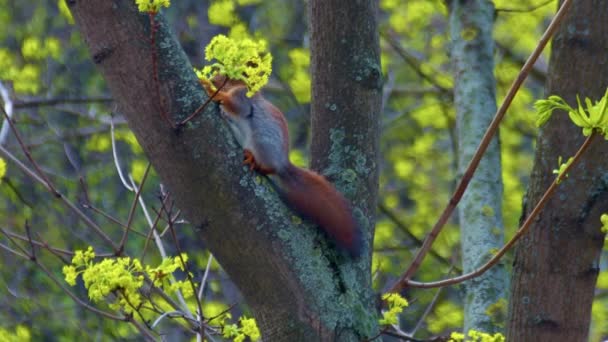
(262, 131)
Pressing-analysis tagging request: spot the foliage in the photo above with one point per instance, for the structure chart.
(2, 169)
(604, 219)
(151, 6)
(123, 278)
(247, 328)
(21, 334)
(562, 168)
(395, 304)
(244, 60)
(594, 117)
(477, 336)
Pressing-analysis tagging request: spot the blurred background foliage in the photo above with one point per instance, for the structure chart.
(63, 110)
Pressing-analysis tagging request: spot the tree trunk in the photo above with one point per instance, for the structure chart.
(297, 289)
(480, 210)
(556, 264)
(346, 100)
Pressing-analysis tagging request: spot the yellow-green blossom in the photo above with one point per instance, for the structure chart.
(248, 328)
(151, 6)
(562, 168)
(243, 59)
(476, 336)
(2, 169)
(21, 334)
(221, 13)
(604, 220)
(159, 275)
(395, 304)
(122, 278)
(299, 76)
(594, 117)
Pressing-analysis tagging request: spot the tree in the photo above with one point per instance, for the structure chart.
(292, 291)
(480, 207)
(556, 265)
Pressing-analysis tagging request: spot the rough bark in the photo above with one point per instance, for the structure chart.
(297, 288)
(556, 264)
(345, 106)
(346, 101)
(480, 210)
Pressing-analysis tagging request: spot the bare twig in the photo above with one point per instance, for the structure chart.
(199, 109)
(58, 195)
(201, 287)
(60, 101)
(413, 62)
(123, 179)
(8, 106)
(525, 9)
(393, 217)
(123, 241)
(28, 154)
(189, 276)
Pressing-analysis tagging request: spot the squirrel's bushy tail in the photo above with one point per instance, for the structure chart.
(313, 197)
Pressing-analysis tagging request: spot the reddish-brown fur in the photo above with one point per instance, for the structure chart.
(307, 192)
(311, 195)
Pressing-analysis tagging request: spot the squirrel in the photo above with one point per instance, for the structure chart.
(261, 129)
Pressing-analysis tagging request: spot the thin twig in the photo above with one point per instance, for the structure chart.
(190, 279)
(8, 107)
(152, 229)
(29, 239)
(26, 256)
(57, 194)
(28, 154)
(393, 217)
(111, 218)
(487, 138)
(520, 232)
(525, 9)
(201, 107)
(61, 100)
(201, 287)
(123, 241)
(12, 251)
(413, 62)
(123, 179)
(142, 329)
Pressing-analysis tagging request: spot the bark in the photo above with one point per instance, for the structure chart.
(346, 101)
(345, 104)
(556, 264)
(480, 210)
(297, 287)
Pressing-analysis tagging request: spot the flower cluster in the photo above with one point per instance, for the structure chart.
(247, 328)
(604, 220)
(244, 60)
(119, 276)
(161, 275)
(395, 304)
(151, 6)
(2, 169)
(119, 280)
